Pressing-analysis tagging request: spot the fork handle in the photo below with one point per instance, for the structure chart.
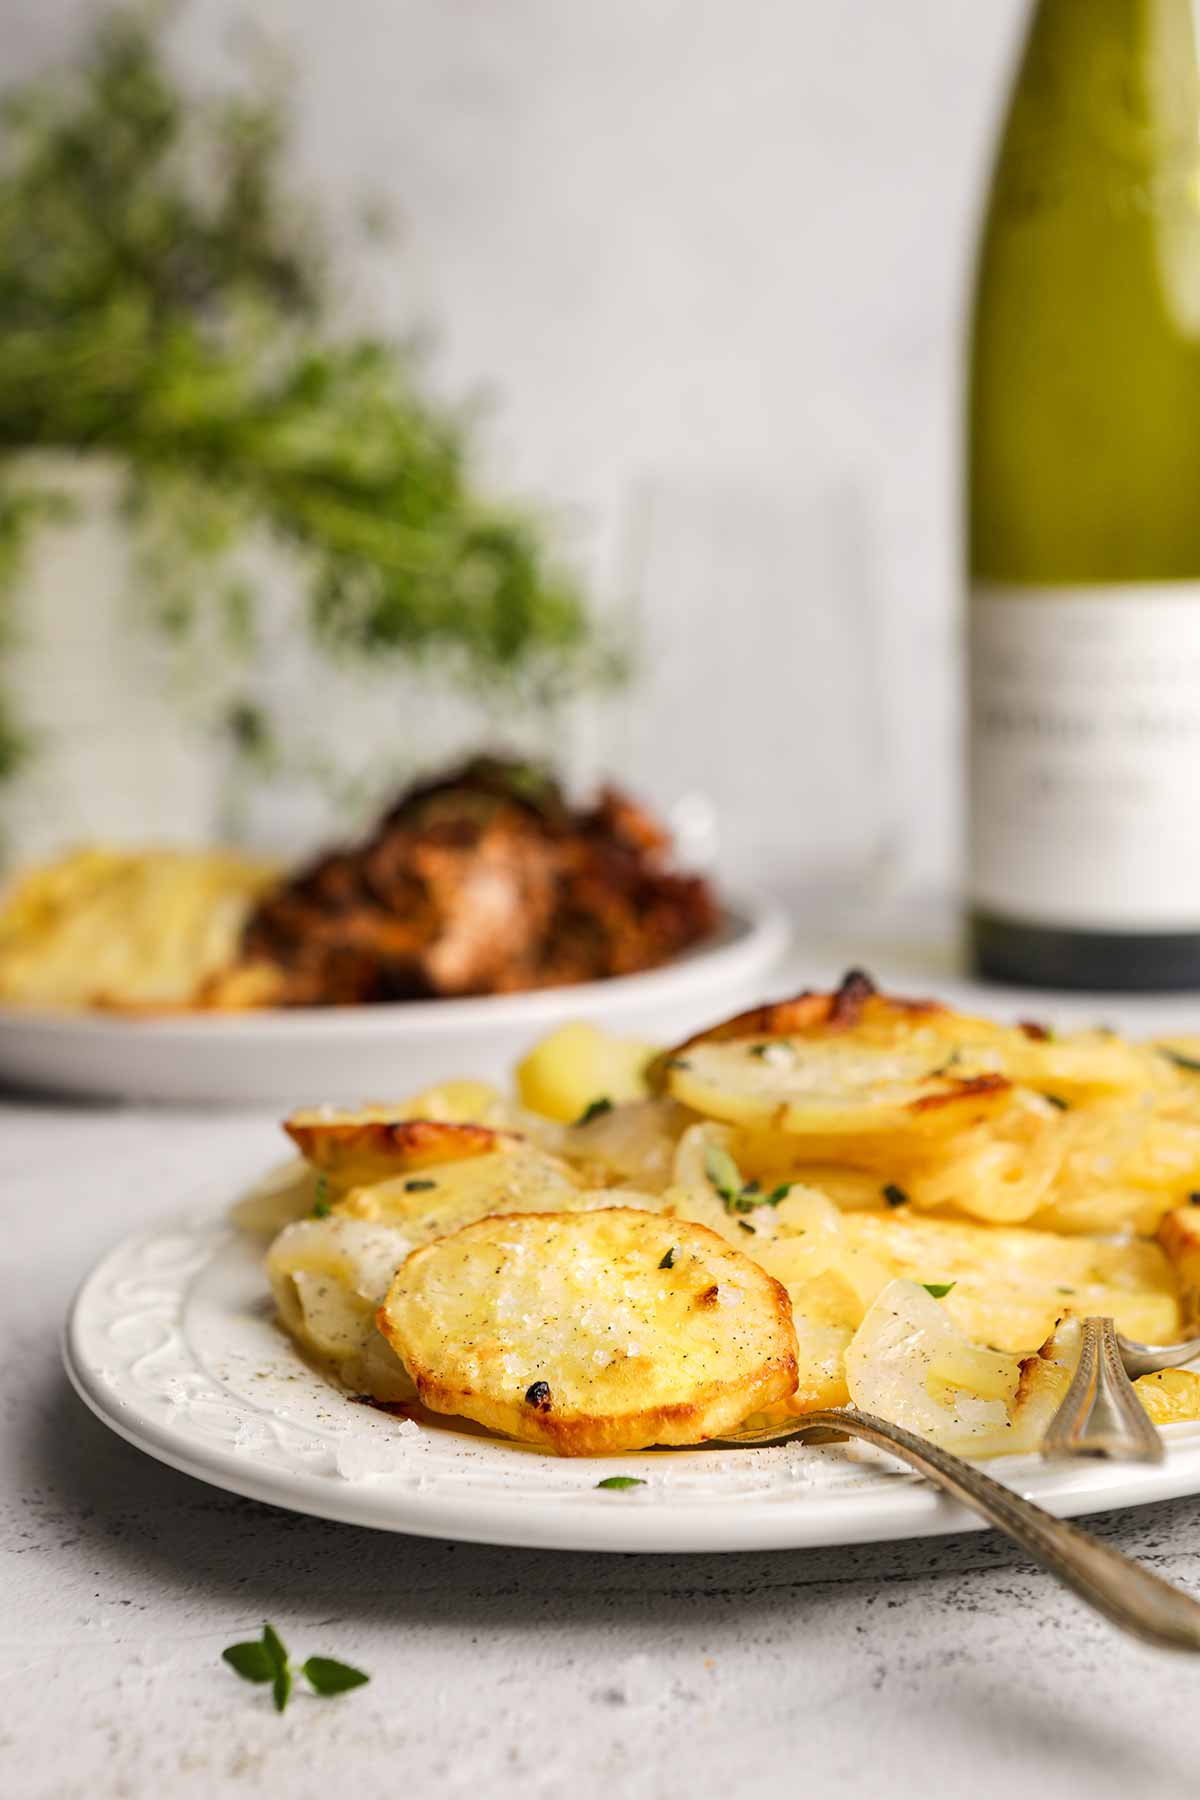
(1116, 1586)
(1100, 1415)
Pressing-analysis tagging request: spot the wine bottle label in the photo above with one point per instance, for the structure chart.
(1084, 755)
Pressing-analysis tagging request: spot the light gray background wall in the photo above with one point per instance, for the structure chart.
(701, 235)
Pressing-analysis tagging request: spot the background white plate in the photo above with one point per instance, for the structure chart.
(353, 1052)
(171, 1342)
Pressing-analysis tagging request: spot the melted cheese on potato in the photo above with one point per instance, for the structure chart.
(592, 1332)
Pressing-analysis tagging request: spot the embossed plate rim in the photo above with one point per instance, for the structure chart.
(320, 1454)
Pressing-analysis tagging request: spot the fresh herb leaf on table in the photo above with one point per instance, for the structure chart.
(266, 1659)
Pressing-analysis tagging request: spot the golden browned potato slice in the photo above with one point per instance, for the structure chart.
(353, 1148)
(902, 1043)
(592, 1332)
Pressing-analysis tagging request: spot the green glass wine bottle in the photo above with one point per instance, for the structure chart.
(1084, 510)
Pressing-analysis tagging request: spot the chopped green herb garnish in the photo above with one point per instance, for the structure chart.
(745, 1225)
(267, 1660)
(759, 1049)
(677, 1062)
(274, 1648)
(939, 1289)
(325, 1676)
(321, 1209)
(1057, 1100)
(723, 1173)
(621, 1481)
(944, 1068)
(252, 1661)
(739, 1196)
(595, 1109)
(668, 1261)
(894, 1195)
(418, 1185)
(1190, 1063)
(1065, 1290)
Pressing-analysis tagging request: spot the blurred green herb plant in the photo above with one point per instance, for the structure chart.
(165, 303)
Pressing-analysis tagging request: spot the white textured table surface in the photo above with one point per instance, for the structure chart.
(947, 1666)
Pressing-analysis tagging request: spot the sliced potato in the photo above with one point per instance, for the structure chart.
(1085, 1064)
(809, 1014)
(1179, 1236)
(462, 1102)
(826, 1313)
(579, 1066)
(328, 1277)
(441, 1197)
(1010, 1285)
(852, 1060)
(1170, 1396)
(373, 1143)
(835, 1089)
(594, 1332)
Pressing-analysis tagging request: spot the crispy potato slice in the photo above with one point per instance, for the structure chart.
(374, 1142)
(328, 1277)
(590, 1333)
(913, 1041)
(808, 1014)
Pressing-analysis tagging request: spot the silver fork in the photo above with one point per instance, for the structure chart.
(1100, 1414)
(1127, 1594)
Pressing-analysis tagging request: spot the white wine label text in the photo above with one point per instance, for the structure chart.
(1084, 755)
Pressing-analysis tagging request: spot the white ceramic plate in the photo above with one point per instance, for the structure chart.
(171, 1342)
(352, 1052)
